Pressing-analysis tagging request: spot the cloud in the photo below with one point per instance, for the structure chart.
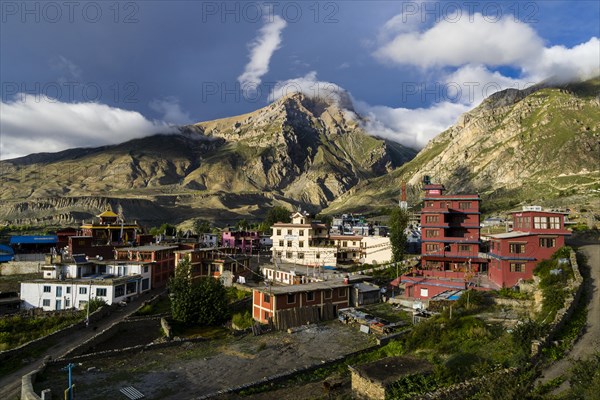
(410, 127)
(171, 111)
(474, 41)
(32, 124)
(310, 86)
(468, 40)
(261, 50)
(68, 69)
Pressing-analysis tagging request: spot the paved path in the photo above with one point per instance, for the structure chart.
(590, 341)
(10, 385)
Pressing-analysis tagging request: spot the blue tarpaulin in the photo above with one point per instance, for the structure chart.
(34, 239)
(6, 253)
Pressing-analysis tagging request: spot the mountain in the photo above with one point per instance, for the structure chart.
(299, 150)
(534, 146)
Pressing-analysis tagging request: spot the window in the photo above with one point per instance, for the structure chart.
(145, 269)
(431, 218)
(310, 296)
(300, 255)
(328, 294)
(554, 223)
(58, 291)
(291, 298)
(539, 222)
(354, 244)
(100, 292)
(46, 302)
(278, 254)
(301, 243)
(318, 255)
(289, 231)
(301, 232)
(342, 292)
(278, 232)
(68, 289)
(67, 303)
(464, 205)
(424, 292)
(547, 242)
(289, 243)
(145, 284)
(281, 243)
(266, 298)
(517, 267)
(517, 248)
(432, 247)
(266, 315)
(432, 233)
(289, 254)
(82, 290)
(429, 204)
(120, 291)
(464, 247)
(47, 289)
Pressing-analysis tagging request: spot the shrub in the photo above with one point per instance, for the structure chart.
(242, 321)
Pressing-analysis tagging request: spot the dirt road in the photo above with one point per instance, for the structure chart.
(10, 385)
(590, 341)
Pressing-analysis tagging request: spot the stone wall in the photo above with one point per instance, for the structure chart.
(20, 267)
(363, 388)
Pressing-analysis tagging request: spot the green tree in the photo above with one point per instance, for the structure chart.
(201, 226)
(242, 225)
(398, 223)
(202, 301)
(274, 215)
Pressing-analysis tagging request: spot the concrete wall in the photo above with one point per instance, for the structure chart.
(20, 267)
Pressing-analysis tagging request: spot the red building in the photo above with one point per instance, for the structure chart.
(535, 237)
(162, 257)
(450, 232)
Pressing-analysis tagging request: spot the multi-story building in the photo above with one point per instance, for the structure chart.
(303, 242)
(245, 241)
(535, 237)
(376, 249)
(109, 229)
(450, 227)
(161, 257)
(214, 262)
(70, 282)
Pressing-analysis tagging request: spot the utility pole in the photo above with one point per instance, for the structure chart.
(69, 391)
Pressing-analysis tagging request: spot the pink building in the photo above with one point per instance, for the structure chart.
(244, 241)
(536, 236)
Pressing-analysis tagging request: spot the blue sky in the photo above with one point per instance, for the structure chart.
(111, 71)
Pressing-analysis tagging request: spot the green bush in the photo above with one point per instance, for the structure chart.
(242, 320)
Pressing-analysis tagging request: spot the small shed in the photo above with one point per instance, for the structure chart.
(364, 293)
(373, 380)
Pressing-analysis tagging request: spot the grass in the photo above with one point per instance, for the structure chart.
(12, 283)
(387, 311)
(162, 306)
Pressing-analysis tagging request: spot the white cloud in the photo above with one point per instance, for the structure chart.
(468, 40)
(310, 86)
(68, 69)
(477, 42)
(171, 111)
(261, 50)
(410, 127)
(31, 124)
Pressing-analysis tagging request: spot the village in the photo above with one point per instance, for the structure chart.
(304, 280)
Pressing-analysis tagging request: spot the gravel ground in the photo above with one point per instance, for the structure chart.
(196, 369)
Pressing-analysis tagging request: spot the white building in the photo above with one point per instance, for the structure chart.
(71, 284)
(303, 242)
(209, 239)
(376, 249)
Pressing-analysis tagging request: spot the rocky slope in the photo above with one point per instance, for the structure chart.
(540, 146)
(298, 150)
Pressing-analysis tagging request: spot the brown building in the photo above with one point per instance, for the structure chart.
(162, 257)
(214, 262)
(108, 230)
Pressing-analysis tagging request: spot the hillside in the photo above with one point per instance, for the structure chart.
(298, 151)
(539, 146)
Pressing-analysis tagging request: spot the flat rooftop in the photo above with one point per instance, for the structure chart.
(309, 287)
(509, 235)
(149, 247)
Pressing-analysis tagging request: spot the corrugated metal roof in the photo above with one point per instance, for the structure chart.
(34, 239)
